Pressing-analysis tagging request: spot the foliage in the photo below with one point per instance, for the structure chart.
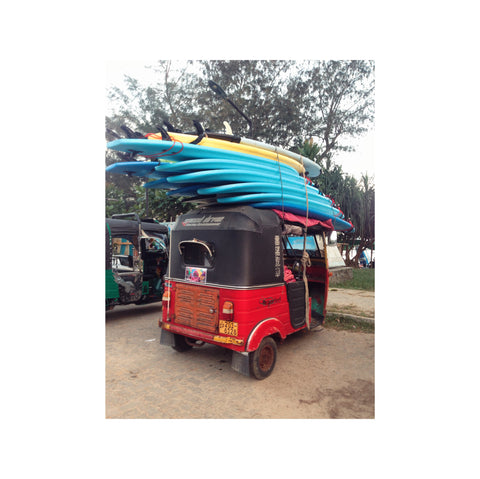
(134, 200)
(363, 278)
(356, 199)
(161, 206)
(288, 102)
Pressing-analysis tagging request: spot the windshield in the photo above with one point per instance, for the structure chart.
(294, 245)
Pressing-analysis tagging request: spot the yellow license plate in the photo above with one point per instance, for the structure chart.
(228, 327)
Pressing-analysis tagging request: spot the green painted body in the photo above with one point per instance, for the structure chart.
(111, 287)
(131, 277)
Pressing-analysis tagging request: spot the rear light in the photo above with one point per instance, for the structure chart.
(166, 305)
(227, 311)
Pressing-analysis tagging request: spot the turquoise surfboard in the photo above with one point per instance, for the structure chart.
(135, 168)
(313, 212)
(261, 187)
(240, 175)
(176, 151)
(188, 166)
(190, 190)
(285, 199)
(312, 168)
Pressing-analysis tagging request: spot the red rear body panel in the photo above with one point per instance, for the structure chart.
(195, 311)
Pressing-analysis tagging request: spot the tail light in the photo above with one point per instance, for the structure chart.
(227, 311)
(166, 305)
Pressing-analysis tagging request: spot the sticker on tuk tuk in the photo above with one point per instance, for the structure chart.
(196, 275)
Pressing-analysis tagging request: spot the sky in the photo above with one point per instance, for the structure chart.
(354, 163)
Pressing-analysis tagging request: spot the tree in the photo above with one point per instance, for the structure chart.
(356, 199)
(287, 102)
(366, 225)
(337, 101)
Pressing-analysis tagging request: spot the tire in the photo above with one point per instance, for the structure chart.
(180, 343)
(262, 361)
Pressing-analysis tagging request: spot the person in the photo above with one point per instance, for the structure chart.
(288, 275)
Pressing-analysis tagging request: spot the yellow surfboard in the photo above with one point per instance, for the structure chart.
(228, 145)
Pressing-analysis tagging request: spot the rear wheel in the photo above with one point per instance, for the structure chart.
(262, 361)
(181, 344)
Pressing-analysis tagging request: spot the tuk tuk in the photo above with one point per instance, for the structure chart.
(136, 260)
(244, 278)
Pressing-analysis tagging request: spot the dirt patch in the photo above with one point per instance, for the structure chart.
(319, 374)
(351, 301)
(358, 395)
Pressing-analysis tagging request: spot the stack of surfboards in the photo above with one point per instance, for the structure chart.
(231, 173)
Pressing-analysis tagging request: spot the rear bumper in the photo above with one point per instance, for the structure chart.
(236, 344)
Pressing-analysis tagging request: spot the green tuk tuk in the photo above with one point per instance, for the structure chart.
(136, 254)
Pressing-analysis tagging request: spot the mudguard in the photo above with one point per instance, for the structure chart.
(264, 328)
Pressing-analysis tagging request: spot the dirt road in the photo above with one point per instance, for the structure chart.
(319, 374)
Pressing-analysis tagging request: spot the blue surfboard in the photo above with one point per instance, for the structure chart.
(135, 168)
(176, 151)
(190, 190)
(262, 187)
(240, 175)
(188, 166)
(285, 199)
(313, 212)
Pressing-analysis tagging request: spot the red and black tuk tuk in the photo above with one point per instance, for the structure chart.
(244, 278)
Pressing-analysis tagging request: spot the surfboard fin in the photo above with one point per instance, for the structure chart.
(200, 131)
(228, 128)
(165, 135)
(130, 133)
(170, 127)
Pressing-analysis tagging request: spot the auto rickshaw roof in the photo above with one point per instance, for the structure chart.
(237, 218)
(154, 229)
(122, 227)
(119, 227)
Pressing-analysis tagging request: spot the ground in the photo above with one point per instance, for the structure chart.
(319, 374)
(351, 301)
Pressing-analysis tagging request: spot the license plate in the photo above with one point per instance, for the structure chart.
(228, 327)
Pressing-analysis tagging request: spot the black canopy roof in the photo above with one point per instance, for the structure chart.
(154, 229)
(120, 227)
(221, 218)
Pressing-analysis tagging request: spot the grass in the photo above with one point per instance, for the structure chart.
(363, 278)
(339, 322)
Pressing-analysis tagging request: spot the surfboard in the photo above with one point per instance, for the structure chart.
(239, 175)
(262, 187)
(153, 169)
(135, 168)
(190, 190)
(177, 151)
(245, 145)
(339, 224)
(215, 164)
(312, 168)
(296, 200)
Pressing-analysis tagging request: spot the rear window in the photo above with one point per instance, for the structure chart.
(197, 253)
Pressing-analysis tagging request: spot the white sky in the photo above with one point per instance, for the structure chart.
(355, 163)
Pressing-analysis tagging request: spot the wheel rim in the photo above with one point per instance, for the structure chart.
(266, 357)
